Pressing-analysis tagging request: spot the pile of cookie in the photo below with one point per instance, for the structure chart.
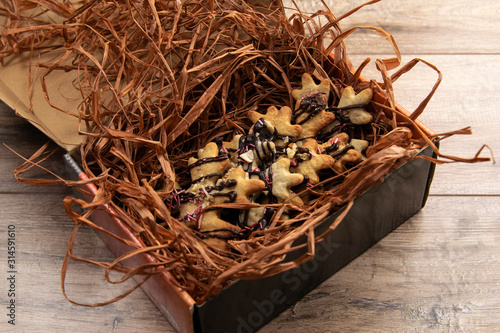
(283, 151)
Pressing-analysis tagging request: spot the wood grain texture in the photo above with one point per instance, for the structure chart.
(465, 98)
(438, 272)
(422, 27)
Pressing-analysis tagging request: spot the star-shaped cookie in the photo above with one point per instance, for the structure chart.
(310, 87)
(209, 166)
(243, 188)
(360, 145)
(358, 116)
(280, 119)
(231, 147)
(311, 100)
(317, 161)
(283, 181)
(216, 230)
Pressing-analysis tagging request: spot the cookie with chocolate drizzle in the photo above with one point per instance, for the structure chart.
(343, 153)
(309, 160)
(281, 151)
(281, 121)
(310, 107)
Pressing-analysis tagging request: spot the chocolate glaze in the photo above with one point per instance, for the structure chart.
(339, 153)
(231, 195)
(323, 136)
(284, 137)
(344, 125)
(298, 159)
(245, 230)
(222, 185)
(218, 158)
(268, 215)
(188, 196)
(259, 141)
(331, 148)
(215, 174)
(264, 133)
(311, 105)
(243, 218)
(280, 150)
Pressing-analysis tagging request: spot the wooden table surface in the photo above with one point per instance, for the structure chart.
(438, 272)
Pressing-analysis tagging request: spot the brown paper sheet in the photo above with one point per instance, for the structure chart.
(15, 92)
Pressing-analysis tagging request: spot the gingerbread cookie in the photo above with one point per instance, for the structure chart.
(357, 114)
(283, 180)
(339, 148)
(280, 119)
(312, 100)
(311, 160)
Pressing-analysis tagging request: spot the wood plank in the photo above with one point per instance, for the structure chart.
(463, 99)
(437, 272)
(22, 137)
(42, 234)
(423, 27)
(437, 269)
